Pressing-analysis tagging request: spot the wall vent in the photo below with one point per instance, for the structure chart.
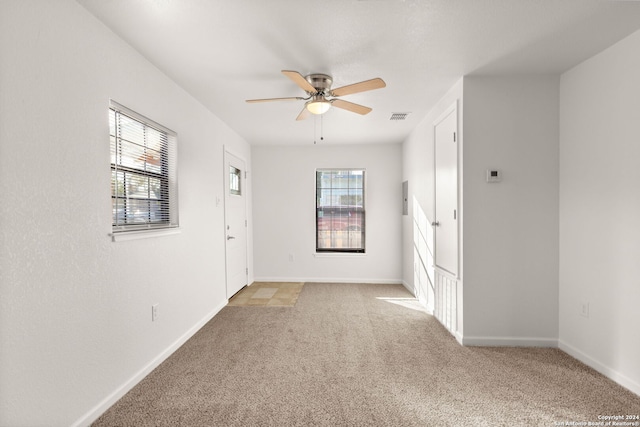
(398, 116)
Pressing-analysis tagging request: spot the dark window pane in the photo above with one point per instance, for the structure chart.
(340, 210)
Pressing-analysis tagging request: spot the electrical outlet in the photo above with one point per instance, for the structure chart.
(584, 309)
(154, 312)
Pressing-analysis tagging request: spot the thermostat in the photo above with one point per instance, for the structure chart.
(494, 175)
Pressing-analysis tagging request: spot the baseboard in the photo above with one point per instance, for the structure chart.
(409, 287)
(459, 337)
(102, 407)
(327, 280)
(507, 341)
(412, 290)
(608, 372)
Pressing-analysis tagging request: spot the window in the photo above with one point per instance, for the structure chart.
(340, 213)
(143, 172)
(234, 181)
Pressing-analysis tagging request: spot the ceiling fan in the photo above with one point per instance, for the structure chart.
(318, 89)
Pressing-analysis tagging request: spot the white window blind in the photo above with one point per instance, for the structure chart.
(144, 185)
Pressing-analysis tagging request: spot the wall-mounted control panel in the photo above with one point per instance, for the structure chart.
(405, 198)
(494, 175)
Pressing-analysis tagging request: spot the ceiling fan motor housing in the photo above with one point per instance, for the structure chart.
(321, 82)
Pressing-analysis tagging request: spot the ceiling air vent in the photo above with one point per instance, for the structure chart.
(398, 116)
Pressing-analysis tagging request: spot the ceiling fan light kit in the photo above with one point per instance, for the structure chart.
(318, 88)
(318, 105)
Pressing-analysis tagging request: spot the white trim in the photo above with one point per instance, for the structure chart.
(143, 234)
(410, 288)
(112, 398)
(141, 118)
(238, 154)
(507, 341)
(339, 254)
(453, 109)
(605, 370)
(458, 336)
(445, 273)
(226, 195)
(327, 280)
(450, 109)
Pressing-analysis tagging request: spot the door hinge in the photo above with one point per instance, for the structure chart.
(245, 174)
(455, 214)
(247, 270)
(454, 137)
(245, 222)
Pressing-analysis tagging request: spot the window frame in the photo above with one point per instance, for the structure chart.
(362, 214)
(165, 177)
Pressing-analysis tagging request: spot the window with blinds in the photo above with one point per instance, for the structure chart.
(143, 172)
(340, 212)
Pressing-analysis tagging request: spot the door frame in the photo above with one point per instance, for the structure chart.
(225, 171)
(455, 110)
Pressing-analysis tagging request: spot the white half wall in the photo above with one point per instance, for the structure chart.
(284, 204)
(510, 275)
(75, 307)
(600, 212)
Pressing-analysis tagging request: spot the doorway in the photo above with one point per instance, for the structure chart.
(446, 192)
(235, 216)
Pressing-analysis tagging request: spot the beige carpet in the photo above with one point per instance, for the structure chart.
(360, 355)
(267, 294)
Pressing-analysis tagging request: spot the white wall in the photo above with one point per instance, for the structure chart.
(511, 227)
(284, 213)
(599, 211)
(75, 308)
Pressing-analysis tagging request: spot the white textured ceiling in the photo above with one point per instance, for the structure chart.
(226, 51)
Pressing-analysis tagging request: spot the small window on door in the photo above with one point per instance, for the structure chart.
(234, 181)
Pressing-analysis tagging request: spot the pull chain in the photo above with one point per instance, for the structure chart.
(315, 132)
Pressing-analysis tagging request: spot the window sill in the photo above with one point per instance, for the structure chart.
(143, 234)
(339, 255)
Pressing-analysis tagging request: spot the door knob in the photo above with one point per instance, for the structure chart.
(230, 237)
(436, 223)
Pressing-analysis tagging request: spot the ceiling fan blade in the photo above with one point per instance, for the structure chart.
(300, 80)
(372, 84)
(350, 106)
(304, 113)
(252, 101)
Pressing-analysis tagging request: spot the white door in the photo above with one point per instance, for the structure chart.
(235, 214)
(446, 192)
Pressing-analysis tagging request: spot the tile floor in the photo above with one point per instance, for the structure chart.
(268, 294)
